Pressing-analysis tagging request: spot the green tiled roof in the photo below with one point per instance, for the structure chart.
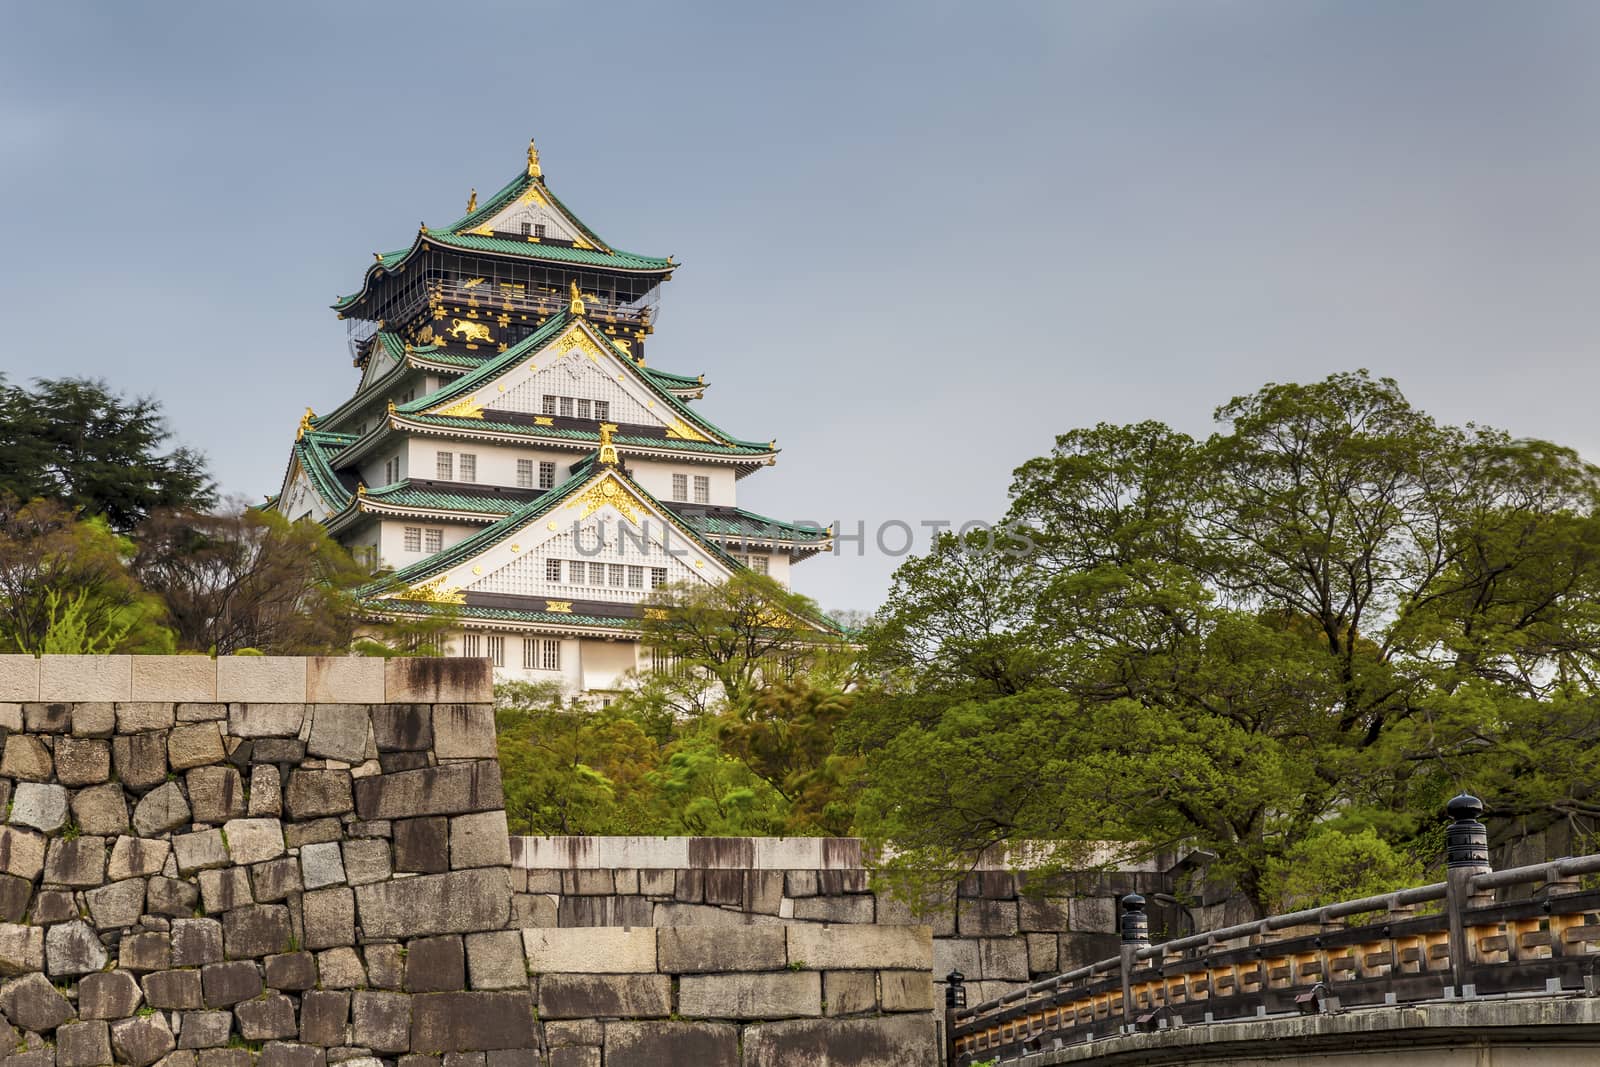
(549, 332)
(668, 380)
(405, 495)
(708, 447)
(509, 192)
(315, 450)
(473, 611)
(750, 526)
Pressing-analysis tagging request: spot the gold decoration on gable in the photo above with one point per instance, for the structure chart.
(468, 330)
(655, 613)
(684, 432)
(564, 607)
(578, 339)
(434, 592)
(606, 491)
(463, 409)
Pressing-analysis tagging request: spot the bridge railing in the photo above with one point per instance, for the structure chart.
(1449, 939)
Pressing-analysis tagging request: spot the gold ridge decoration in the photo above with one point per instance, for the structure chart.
(463, 409)
(543, 420)
(531, 196)
(305, 424)
(564, 607)
(534, 170)
(434, 592)
(482, 231)
(472, 283)
(608, 450)
(578, 339)
(606, 491)
(472, 201)
(576, 306)
(655, 613)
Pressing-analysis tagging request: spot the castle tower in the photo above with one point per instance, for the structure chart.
(509, 453)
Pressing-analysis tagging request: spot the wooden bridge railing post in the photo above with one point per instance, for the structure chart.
(1135, 935)
(955, 1000)
(1466, 847)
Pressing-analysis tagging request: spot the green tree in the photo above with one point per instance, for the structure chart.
(1334, 605)
(785, 736)
(74, 441)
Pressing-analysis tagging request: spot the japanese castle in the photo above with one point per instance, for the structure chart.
(512, 458)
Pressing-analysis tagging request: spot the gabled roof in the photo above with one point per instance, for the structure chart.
(554, 329)
(314, 452)
(459, 235)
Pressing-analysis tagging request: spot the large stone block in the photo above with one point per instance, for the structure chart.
(366, 860)
(100, 809)
(495, 960)
(267, 1018)
(226, 889)
(171, 896)
(118, 904)
(196, 942)
(266, 791)
(142, 1040)
(78, 861)
(172, 990)
(321, 864)
(71, 949)
(140, 760)
(199, 851)
(261, 679)
(83, 1044)
(386, 965)
(318, 792)
(771, 995)
(340, 968)
(435, 965)
(381, 1021)
(455, 903)
(216, 794)
(907, 990)
(464, 731)
(596, 950)
(697, 949)
(254, 840)
(227, 984)
(195, 745)
(339, 731)
(422, 845)
(870, 948)
(21, 949)
(403, 727)
(291, 971)
(893, 1041)
(344, 680)
(27, 759)
(466, 1022)
(325, 1017)
(108, 995)
(96, 718)
(1093, 915)
(849, 992)
(330, 919)
(145, 952)
(266, 720)
(163, 809)
(19, 678)
(588, 996)
(276, 880)
(137, 716)
(174, 678)
(42, 718)
(630, 1044)
(32, 1003)
(857, 908)
(68, 678)
(21, 852)
(455, 789)
(82, 761)
(41, 806)
(15, 895)
(479, 840)
(977, 917)
(416, 680)
(207, 1030)
(258, 930)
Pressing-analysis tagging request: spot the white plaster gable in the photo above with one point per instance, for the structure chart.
(535, 209)
(378, 364)
(300, 499)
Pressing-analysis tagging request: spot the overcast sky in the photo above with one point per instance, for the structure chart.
(919, 240)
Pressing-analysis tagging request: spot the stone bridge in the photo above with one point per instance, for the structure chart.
(1485, 968)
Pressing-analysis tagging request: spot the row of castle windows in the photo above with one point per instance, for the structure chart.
(617, 575)
(538, 653)
(702, 488)
(416, 537)
(577, 407)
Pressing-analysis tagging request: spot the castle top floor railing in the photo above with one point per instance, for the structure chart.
(1451, 939)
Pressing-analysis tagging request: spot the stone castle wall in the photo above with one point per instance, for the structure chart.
(301, 862)
(1000, 929)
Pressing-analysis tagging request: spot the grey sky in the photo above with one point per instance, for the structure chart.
(918, 240)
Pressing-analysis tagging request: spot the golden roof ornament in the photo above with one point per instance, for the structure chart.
(305, 424)
(361, 489)
(472, 201)
(533, 161)
(608, 451)
(391, 407)
(576, 307)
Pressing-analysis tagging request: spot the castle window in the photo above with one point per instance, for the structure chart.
(549, 404)
(658, 577)
(433, 540)
(471, 645)
(602, 410)
(635, 577)
(497, 651)
(566, 406)
(702, 489)
(583, 408)
(445, 466)
(552, 570)
(413, 540)
(524, 474)
(526, 228)
(617, 571)
(541, 654)
(758, 564)
(680, 487)
(469, 467)
(597, 574)
(538, 229)
(547, 475)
